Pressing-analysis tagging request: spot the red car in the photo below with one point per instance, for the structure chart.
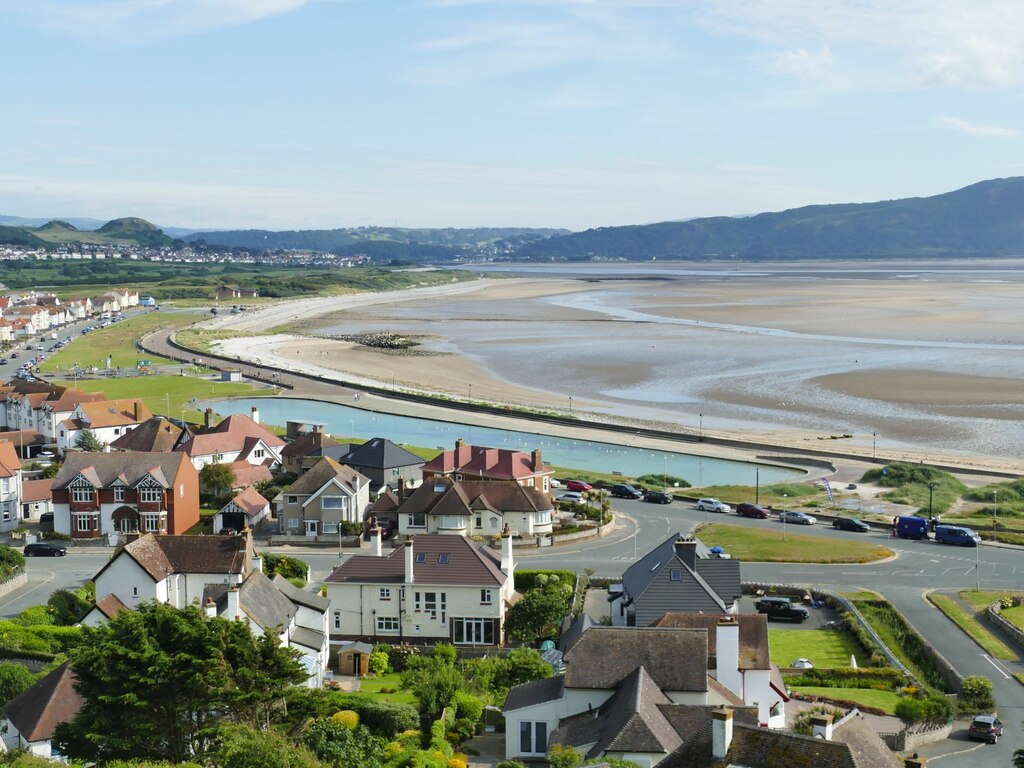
(752, 510)
(578, 485)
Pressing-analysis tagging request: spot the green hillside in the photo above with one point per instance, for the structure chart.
(57, 232)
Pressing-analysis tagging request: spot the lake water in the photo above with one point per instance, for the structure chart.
(341, 420)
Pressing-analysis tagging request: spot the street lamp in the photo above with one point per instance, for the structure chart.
(874, 438)
(570, 406)
(995, 509)
(783, 516)
(931, 487)
(757, 485)
(700, 434)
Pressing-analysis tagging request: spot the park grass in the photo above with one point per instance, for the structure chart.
(371, 686)
(116, 340)
(826, 648)
(974, 629)
(883, 700)
(778, 495)
(981, 600)
(1015, 616)
(768, 546)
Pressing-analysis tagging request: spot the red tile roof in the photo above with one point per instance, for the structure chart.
(10, 464)
(36, 490)
(235, 433)
(490, 463)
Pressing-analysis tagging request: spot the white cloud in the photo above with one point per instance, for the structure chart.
(981, 130)
(804, 64)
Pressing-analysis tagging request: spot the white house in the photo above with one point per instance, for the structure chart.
(30, 719)
(107, 419)
(236, 438)
(10, 487)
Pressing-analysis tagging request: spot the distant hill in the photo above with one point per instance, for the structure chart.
(57, 226)
(984, 219)
(58, 232)
(79, 223)
(20, 236)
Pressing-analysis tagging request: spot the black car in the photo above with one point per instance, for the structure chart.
(622, 491)
(986, 728)
(781, 608)
(658, 497)
(44, 550)
(851, 524)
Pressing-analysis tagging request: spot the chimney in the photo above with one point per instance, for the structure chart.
(210, 608)
(255, 414)
(208, 418)
(535, 460)
(821, 727)
(727, 654)
(507, 564)
(376, 538)
(721, 732)
(138, 411)
(915, 762)
(233, 612)
(410, 575)
(686, 551)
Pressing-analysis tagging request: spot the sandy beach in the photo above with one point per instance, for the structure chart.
(927, 365)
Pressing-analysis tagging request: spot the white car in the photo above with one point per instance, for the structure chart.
(713, 505)
(556, 483)
(572, 497)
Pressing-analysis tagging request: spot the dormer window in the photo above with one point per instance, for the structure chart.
(82, 494)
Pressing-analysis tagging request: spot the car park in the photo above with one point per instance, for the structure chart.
(44, 550)
(850, 524)
(986, 728)
(623, 491)
(781, 608)
(752, 510)
(578, 485)
(713, 505)
(658, 497)
(797, 518)
(957, 534)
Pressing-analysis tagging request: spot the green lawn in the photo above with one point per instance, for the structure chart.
(767, 545)
(371, 686)
(117, 340)
(826, 648)
(981, 600)
(969, 624)
(1015, 616)
(884, 700)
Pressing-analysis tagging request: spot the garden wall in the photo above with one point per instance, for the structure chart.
(994, 615)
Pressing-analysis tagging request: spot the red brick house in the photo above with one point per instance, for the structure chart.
(475, 462)
(97, 494)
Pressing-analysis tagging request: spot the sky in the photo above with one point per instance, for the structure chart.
(296, 114)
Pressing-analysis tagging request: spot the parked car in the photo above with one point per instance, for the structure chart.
(957, 534)
(556, 483)
(752, 510)
(781, 608)
(578, 485)
(986, 728)
(572, 497)
(658, 497)
(851, 524)
(713, 505)
(623, 491)
(801, 664)
(799, 518)
(911, 527)
(44, 550)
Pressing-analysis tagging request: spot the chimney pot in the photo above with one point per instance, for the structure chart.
(821, 726)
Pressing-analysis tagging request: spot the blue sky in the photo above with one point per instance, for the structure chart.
(290, 114)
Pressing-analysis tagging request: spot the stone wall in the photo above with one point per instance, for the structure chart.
(994, 614)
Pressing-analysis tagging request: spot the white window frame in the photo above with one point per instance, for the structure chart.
(334, 502)
(151, 495)
(384, 594)
(486, 596)
(119, 494)
(82, 494)
(387, 624)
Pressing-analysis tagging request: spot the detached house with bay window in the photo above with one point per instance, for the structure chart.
(327, 495)
(97, 494)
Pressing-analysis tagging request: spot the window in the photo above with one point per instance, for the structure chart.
(395, 473)
(387, 623)
(453, 521)
(82, 495)
(675, 574)
(458, 478)
(430, 604)
(418, 520)
(330, 527)
(494, 523)
(153, 523)
(135, 591)
(293, 522)
(117, 430)
(293, 499)
(333, 502)
(218, 458)
(421, 557)
(337, 619)
(385, 593)
(119, 494)
(417, 600)
(259, 453)
(473, 631)
(150, 495)
(547, 484)
(485, 596)
(479, 521)
(83, 522)
(533, 738)
(542, 518)
(529, 483)
(442, 559)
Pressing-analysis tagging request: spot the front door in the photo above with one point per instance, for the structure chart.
(357, 659)
(311, 527)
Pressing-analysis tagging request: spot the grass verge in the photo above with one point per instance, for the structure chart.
(117, 341)
(826, 648)
(974, 629)
(780, 494)
(884, 700)
(903, 640)
(1015, 616)
(766, 546)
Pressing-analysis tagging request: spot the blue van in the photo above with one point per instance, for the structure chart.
(956, 534)
(910, 527)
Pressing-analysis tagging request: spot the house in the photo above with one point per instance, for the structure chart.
(742, 663)
(246, 510)
(98, 494)
(431, 589)
(30, 719)
(473, 461)
(387, 464)
(306, 449)
(235, 292)
(474, 508)
(236, 438)
(327, 495)
(155, 435)
(679, 575)
(106, 419)
(10, 487)
(223, 574)
(36, 499)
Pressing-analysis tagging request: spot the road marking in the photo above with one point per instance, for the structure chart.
(997, 665)
(23, 592)
(968, 570)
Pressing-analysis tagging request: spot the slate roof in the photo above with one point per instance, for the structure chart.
(534, 692)
(103, 469)
(301, 596)
(50, 701)
(380, 453)
(569, 637)
(444, 496)
(754, 653)
(323, 472)
(468, 563)
(495, 463)
(157, 435)
(161, 555)
(264, 603)
(603, 656)
(308, 638)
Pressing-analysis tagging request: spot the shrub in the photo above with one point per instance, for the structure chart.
(561, 756)
(289, 567)
(378, 662)
(446, 654)
(346, 718)
(932, 709)
(976, 694)
(663, 481)
(468, 707)
(802, 721)
(511, 764)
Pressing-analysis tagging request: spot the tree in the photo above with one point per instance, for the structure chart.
(976, 694)
(14, 680)
(157, 681)
(521, 666)
(562, 756)
(434, 681)
(217, 479)
(87, 441)
(337, 744)
(1018, 758)
(537, 614)
(240, 747)
(67, 607)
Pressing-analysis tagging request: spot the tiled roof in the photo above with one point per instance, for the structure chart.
(115, 413)
(301, 596)
(754, 653)
(155, 435)
(604, 656)
(111, 605)
(468, 563)
(444, 496)
(36, 490)
(322, 473)
(250, 502)
(307, 445)
(247, 474)
(496, 463)
(231, 435)
(380, 453)
(163, 555)
(386, 502)
(10, 464)
(103, 469)
(50, 701)
(727, 696)
(534, 692)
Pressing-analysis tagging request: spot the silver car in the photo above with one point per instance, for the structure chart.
(799, 518)
(713, 505)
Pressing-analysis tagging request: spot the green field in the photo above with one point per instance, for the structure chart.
(884, 700)
(826, 648)
(371, 686)
(978, 632)
(764, 545)
(117, 340)
(1015, 616)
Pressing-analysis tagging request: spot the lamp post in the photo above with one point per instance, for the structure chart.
(757, 485)
(874, 438)
(931, 487)
(783, 515)
(700, 432)
(994, 514)
(570, 406)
